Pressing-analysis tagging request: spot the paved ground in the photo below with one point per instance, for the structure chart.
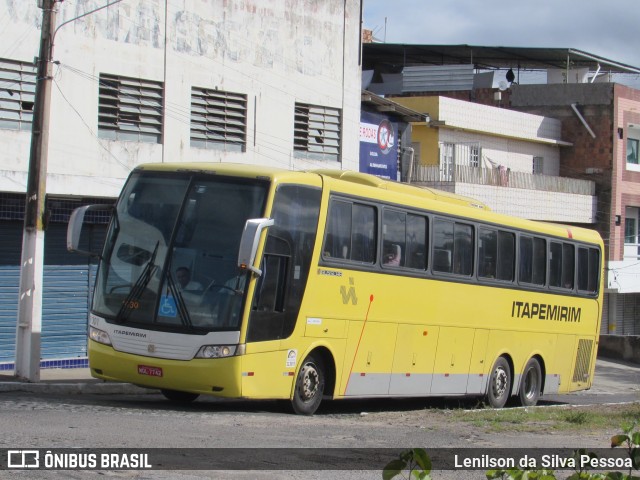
(618, 380)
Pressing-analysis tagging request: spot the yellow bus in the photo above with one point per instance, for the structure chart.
(248, 282)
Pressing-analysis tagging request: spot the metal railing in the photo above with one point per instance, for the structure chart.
(438, 177)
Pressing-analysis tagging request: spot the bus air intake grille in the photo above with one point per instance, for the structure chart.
(583, 360)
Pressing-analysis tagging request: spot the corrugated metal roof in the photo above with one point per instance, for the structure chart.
(385, 105)
(486, 57)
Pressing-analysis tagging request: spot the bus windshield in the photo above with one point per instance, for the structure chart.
(170, 258)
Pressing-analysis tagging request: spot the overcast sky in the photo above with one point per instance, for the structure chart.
(609, 28)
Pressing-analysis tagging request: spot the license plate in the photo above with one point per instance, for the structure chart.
(151, 371)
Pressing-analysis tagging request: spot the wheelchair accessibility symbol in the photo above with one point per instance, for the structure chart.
(167, 306)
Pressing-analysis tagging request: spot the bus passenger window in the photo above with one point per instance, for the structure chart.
(568, 265)
(394, 226)
(351, 232)
(363, 239)
(532, 260)
(506, 255)
(417, 234)
(561, 265)
(338, 238)
(463, 249)
(588, 268)
(442, 245)
(555, 264)
(487, 253)
(452, 247)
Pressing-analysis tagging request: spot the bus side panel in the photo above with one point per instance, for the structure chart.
(477, 383)
(267, 371)
(451, 369)
(373, 350)
(413, 360)
(563, 363)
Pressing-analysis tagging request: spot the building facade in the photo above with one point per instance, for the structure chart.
(602, 122)
(256, 82)
(507, 159)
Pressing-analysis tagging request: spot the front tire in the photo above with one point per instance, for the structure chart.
(531, 384)
(499, 387)
(309, 387)
(179, 397)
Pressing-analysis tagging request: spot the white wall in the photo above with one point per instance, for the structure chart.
(508, 152)
(534, 204)
(507, 137)
(275, 52)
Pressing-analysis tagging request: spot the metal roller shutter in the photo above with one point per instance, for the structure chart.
(631, 303)
(604, 325)
(10, 247)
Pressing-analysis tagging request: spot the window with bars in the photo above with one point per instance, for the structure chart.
(218, 119)
(130, 109)
(538, 165)
(17, 94)
(316, 132)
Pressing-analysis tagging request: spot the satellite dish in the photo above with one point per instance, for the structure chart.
(502, 85)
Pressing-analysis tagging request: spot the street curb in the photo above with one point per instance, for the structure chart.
(99, 388)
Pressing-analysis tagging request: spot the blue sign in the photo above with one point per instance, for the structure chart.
(378, 146)
(167, 306)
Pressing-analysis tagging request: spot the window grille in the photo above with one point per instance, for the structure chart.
(317, 131)
(474, 156)
(538, 165)
(130, 109)
(218, 119)
(17, 94)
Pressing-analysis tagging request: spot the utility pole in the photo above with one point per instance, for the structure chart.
(29, 326)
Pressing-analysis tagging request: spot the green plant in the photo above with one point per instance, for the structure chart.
(414, 461)
(630, 439)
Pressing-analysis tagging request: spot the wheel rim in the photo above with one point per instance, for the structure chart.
(310, 382)
(530, 384)
(500, 382)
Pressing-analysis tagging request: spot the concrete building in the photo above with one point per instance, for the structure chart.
(258, 82)
(603, 123)
(509, 160)
(578, 102)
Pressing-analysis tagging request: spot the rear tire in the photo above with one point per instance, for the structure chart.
(309, 387)
(179, 397)
(499, 388)
(531, 384)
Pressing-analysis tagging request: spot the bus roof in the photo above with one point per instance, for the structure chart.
(422, 192)
(458, 204)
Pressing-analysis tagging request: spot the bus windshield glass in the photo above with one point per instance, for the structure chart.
(170, 259)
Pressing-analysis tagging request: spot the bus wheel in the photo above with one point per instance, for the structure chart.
(179, 397)
(499, 384)
(531, 384)
(309, 388)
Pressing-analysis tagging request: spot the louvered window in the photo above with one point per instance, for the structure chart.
(317, 132)
(17, 94)
(130, 109)
(218, 119)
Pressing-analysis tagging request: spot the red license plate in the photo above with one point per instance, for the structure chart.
(151, 371)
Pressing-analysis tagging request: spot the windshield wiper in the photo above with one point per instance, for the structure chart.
(138, 288)
(185, 318)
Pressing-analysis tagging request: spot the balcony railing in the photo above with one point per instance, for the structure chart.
(443, 177)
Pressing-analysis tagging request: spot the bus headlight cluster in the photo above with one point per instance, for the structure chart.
(216, 351)
(99, 336)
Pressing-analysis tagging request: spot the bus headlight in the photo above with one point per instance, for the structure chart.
(216, 351)
(99, 336)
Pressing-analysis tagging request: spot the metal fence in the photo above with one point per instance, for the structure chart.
(435, 176)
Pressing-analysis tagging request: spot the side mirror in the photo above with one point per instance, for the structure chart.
(249, 243)
(75, 227)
